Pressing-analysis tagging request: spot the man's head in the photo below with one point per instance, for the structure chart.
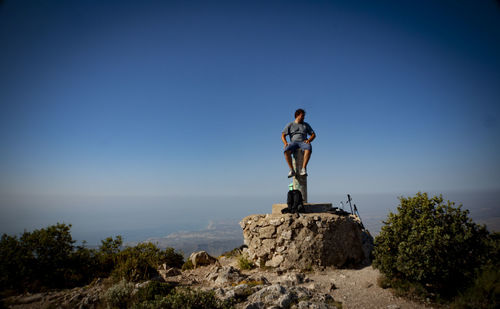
(299, 115)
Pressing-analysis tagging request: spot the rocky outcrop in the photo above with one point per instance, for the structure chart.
(305, 240)
(226, 275)
(166, 272)
(276, 296)
(202, 258)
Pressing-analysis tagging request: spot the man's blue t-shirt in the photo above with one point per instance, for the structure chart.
(298, 131)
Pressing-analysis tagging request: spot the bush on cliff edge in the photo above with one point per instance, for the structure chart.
(140, 262)
(430, 244)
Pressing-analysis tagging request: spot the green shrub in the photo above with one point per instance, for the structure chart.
(141, 262)
(188, 265)
(431, 244)
(108, 255)
(404, 288)
(244, 263)
(195, 299)
(83, 268)
(172, 258)
(233, 253)
(485, 293)
(44, 259)
(153, 290)
(186, 298)
(49, 250)
(119, 295)
(14, 259)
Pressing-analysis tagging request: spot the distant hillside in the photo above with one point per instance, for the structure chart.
(215, 239)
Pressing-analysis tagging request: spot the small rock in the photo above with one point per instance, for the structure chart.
(285, 300)
(226, 275)
(275, 261)
(280, 249)
(292, 279)
(229, 295)
(258, 279)
(324, 298)
(220, 293)
(313, 286)
(30, 299)
(142, 284)
(267, 232)
(243, 290)
(268, 294)
(304, 305)
(275, 222)
(256, 305)
(171, 272)
(286, 235)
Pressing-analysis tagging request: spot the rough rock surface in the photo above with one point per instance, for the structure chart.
(202, 258)
(166, 271)
(304, 240)
(226, 275)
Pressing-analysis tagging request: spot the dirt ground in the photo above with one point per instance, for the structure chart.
(355, 288)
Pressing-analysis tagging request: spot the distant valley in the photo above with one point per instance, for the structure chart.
(216, 239)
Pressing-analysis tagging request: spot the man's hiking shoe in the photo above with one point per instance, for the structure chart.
(291, 174)
(303, 172)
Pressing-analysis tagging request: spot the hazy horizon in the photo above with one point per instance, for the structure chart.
(139, 218)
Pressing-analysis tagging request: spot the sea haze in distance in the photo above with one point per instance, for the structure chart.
(139, 218)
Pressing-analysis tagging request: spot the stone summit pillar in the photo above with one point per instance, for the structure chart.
(299, 182)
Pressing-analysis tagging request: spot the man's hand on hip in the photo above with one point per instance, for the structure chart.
(286, 144)
(307, 141)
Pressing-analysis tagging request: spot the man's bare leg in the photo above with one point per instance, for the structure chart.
(288, 157)
(307, 155)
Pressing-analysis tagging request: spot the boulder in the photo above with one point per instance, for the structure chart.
(295, 241)
(202, 258)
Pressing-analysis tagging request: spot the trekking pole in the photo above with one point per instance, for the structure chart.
(356, 212)
(349, 200)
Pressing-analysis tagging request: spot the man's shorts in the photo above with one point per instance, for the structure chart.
(292, 146)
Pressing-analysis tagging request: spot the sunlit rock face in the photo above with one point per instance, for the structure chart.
(298, 241)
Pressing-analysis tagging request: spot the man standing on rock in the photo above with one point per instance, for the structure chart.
(298, 131)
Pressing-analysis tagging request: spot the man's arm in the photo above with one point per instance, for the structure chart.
(283, 138)
(313, 136)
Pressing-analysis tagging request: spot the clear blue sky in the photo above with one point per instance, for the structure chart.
(185, 97)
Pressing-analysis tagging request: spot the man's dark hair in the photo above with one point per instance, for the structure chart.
(299, 111)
